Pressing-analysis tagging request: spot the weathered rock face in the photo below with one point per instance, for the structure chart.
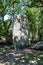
(38, 45)
(20, 30)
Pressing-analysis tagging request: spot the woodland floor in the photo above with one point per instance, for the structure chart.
(8, 56)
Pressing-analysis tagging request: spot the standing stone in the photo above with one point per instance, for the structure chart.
(20, 31)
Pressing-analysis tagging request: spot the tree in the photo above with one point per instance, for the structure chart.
(32, 9)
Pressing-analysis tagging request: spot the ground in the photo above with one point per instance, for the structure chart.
(8, 56)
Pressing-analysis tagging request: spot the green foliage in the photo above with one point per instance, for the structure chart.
(34, 15)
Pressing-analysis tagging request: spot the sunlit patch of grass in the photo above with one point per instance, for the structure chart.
(27, 58)
(33, 61)
(32, 58)
(41, 55)
(2, 64)
(10, 63)
(2, 50)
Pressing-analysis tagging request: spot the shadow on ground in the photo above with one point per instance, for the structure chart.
(22, 57)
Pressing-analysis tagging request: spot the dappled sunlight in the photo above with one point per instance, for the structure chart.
(2, 63)
(21, 58)
(33, 61)
(21, 32)
(38, 59)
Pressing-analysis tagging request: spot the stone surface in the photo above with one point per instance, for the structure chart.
(20, 30)
(38, 45)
